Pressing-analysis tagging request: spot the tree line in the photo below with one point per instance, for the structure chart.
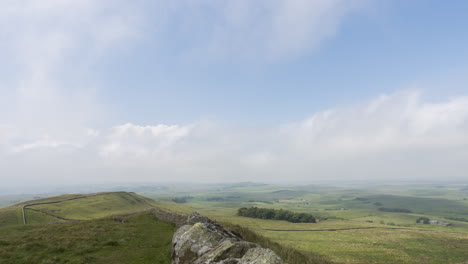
(181, 199)
(265, 213)
(396, 210)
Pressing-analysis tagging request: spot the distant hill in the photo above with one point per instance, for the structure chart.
(74, 207)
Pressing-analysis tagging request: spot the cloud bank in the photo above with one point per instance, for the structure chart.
(397, 136)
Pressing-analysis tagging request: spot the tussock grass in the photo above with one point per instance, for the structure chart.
(142, 239)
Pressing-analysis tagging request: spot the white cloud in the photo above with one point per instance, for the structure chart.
(342, 140)
(43, 143)
(142, 142)
(48, 90)
(260, 30)
(396, 136)
(389, 124)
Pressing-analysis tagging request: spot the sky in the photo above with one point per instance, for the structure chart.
(97, 91)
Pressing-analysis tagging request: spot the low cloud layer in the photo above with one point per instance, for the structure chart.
(396, 136)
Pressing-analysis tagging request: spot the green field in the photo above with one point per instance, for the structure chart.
(351, 228)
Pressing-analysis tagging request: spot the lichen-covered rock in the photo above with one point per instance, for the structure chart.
(261, 256)
(226, 250)
(203, 241)
(194, 241)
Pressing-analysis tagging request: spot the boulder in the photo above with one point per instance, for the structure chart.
(203, 241)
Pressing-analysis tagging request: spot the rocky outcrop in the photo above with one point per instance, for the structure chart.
(203, 241)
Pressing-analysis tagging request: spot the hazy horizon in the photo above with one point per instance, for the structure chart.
(232, 91)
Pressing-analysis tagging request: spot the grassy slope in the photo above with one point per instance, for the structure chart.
(98, 206)
(379, 245)
(143, 239)
(90, 207)
(10, 216)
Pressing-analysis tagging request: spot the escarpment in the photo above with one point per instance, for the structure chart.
(203, 241)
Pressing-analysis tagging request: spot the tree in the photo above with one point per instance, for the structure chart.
(422, 220)
(265, 213)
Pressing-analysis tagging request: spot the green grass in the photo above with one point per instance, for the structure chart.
(377, 237)
(143, 239)
(10, 216)
(379, 245)
(40, 218)
(92, 206)
(362, 233)
(287, 253)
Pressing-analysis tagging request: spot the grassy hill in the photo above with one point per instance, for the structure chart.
(74, 207)
(137, 237)
(141, 239)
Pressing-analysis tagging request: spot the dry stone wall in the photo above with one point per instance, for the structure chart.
(175, 218)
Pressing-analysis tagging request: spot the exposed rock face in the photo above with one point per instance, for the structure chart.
(203, 241)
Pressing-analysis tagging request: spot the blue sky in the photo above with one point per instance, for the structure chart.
(381, 48)
(232, 90)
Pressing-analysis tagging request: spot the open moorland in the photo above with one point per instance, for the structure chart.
(354, 224)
